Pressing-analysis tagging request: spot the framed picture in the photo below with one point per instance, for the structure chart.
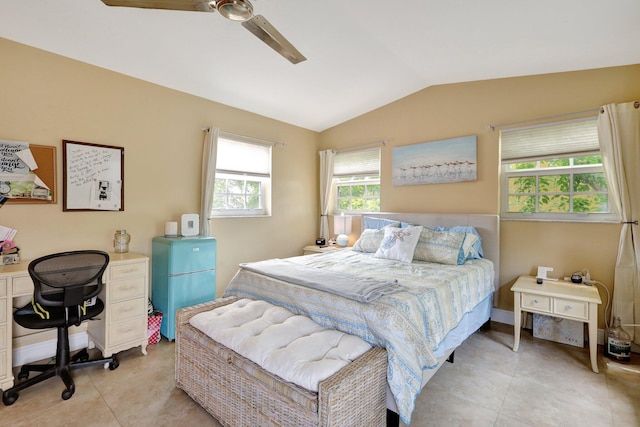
(436, 162)
(93, 177)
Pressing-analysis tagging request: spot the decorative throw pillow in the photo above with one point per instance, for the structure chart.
(378, 223)
(442, 247)
(476, 247)
(399, 243)
(369, 240)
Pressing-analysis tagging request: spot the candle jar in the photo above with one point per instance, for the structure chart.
(121, 241)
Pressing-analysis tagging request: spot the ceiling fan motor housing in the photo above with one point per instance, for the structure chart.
(235, 10)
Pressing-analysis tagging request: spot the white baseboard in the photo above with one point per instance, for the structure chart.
(46, 349)
(506, 317)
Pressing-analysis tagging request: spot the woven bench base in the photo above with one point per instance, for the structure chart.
(238, 392)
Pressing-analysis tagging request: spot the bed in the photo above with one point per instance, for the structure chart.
(419, 311)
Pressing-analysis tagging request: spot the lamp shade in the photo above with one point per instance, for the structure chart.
(342, 227)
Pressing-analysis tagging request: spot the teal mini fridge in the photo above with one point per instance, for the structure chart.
(183, 273)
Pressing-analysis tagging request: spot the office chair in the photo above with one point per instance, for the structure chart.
(65, 290)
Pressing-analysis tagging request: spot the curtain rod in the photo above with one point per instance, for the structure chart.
(559, 116)
(356, 147)
(248, 138)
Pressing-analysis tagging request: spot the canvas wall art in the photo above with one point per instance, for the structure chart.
(436, 162)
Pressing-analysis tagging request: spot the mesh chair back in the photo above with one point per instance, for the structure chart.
(69, 278)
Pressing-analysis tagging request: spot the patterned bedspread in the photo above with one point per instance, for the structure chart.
(410, 323)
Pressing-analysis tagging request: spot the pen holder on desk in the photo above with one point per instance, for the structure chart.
(10, 259)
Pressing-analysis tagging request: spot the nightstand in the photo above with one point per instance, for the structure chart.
(313, 249)
(559, 299)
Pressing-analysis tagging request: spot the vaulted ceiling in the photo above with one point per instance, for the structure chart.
(362, 54)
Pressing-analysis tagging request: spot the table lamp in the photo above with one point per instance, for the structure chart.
(342, 227)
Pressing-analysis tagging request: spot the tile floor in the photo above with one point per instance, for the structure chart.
(544, 384)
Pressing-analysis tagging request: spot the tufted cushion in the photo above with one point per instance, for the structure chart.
(291, 346)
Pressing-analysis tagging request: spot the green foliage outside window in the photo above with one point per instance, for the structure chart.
(564, 190)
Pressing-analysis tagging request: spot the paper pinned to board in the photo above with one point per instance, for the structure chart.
(27, 156)
(7, 233)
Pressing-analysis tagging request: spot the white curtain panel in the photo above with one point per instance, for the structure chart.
(209, 156)
(326, 176)
(619, 134)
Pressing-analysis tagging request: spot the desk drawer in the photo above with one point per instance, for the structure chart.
(3, 337)
(571, 308)
(127, 309)
(3, 311)
(3, 287)
(3, 364)
(125, 271)
(22, 285)
(130, 330)
(126, 289)
(536, 302)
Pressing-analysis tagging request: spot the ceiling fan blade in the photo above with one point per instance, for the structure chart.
(192, 5)
(262, 29)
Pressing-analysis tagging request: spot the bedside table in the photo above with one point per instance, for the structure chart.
(313, 249)
(559, 299)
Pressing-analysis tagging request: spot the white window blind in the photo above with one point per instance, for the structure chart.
(243, 157)
(357, 163)
(559, 139)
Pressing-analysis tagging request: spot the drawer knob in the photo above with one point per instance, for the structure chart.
(569, 307)
(535, 301)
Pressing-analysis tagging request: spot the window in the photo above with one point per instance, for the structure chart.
(356, 176)
(243, 178)
(554, 172)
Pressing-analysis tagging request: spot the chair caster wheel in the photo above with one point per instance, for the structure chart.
(9, 398)
(23, 374)
(114, 365)
(66, 395)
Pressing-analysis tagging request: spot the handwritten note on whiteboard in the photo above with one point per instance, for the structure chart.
(93, 176)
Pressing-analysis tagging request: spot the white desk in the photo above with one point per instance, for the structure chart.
(121, 326)
(559, 299)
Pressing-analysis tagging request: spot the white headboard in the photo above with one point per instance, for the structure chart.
(487, 225)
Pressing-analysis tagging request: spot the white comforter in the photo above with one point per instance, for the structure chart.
(409, 324)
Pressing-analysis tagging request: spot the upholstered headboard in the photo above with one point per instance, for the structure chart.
(487, 225)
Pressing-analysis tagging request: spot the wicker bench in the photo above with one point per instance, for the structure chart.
(238, 392)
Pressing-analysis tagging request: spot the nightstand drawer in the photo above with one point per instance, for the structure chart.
(536, 302)
(571, 308)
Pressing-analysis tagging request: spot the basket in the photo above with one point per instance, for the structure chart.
(154, 320)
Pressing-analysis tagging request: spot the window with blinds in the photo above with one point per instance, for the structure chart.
(356, 176)
(554, 172)
(243, 178)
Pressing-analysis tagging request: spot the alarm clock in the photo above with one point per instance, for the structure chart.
(321, 241)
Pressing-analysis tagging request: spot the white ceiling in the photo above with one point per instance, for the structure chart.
(362, 54)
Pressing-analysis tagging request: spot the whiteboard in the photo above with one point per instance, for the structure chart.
(93, 176)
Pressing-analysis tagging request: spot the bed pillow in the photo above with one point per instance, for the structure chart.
(442, 247)
(399, 243)
(378, 223)
(476, 247)
(369, 240)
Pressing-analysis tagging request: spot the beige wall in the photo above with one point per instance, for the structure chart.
(47, 98)
(448, 111)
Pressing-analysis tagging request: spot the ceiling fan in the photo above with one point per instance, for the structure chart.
(234, 10)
